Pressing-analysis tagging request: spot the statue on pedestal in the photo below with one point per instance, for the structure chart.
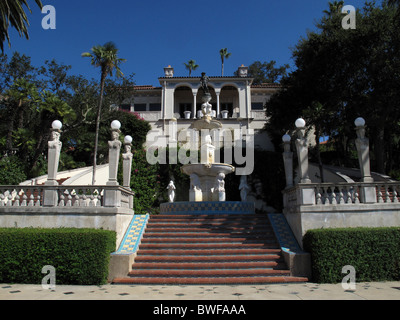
(171, 191)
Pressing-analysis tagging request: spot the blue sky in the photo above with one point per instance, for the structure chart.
(152, 34)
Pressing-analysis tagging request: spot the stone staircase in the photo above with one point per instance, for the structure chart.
(209, 249)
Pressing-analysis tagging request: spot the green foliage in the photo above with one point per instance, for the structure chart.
(266, 72)
(80, 256)
(12, 171)
(373, 252)
(31, 98)
(12, 13)
(145, 182)
(343, 74)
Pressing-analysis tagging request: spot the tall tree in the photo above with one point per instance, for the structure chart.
(267, 72)
(191, 65)
(105, 57)
(12, 13)
(350, 73)
(224, 55)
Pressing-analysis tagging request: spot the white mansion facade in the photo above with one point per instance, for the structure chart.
(236, 103)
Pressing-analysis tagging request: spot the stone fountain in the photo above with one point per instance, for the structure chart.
(207, 177)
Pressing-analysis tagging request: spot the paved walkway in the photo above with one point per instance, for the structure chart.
(302, 291)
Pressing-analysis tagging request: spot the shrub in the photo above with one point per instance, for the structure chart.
(373, 252)
(12, 171)
(79, 256)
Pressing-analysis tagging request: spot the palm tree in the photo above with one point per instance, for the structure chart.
(105, 57)
(191, 65)
(334, 7)
(224, 55)
(12, 13)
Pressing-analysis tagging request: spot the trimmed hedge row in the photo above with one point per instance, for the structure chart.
(79, 256)
(373, 252)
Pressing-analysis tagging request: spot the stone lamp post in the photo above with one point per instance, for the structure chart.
(113, 196)
(362, 144)
(288, 160)
(127, 161)
(368, 193)
(305, 195)
(50, 197)
(302, 150)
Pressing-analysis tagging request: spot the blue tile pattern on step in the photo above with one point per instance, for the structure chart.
(284, 233)
(133, 234)
(208, 207)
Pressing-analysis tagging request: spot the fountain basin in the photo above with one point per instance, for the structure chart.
(211, 170)
(207, 180)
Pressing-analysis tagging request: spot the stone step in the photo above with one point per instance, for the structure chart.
(207, 273)
(200, 229)
(209, 265)
(211, 253)
(208, 246)
(209, 280)
(209, 249)
(215, 234)
(190, 238)
(208, 258)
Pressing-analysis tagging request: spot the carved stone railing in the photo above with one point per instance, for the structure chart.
(66, 196)
(334, 194)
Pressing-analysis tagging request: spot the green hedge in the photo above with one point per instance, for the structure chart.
(79, 256)
(373, 252)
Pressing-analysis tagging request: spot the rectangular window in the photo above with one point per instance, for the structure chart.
(257, 106)
(155, 107)
(140, 107)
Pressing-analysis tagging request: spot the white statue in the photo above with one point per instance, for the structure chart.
(244, 188)
(171, 191)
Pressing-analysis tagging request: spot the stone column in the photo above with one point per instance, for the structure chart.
(368, 194)
(288, 161)
(112, 198)
(218, 104)
(50, 197)
(194, 104)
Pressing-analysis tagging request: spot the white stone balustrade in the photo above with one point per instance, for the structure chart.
(68, 196)
(334, 194)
